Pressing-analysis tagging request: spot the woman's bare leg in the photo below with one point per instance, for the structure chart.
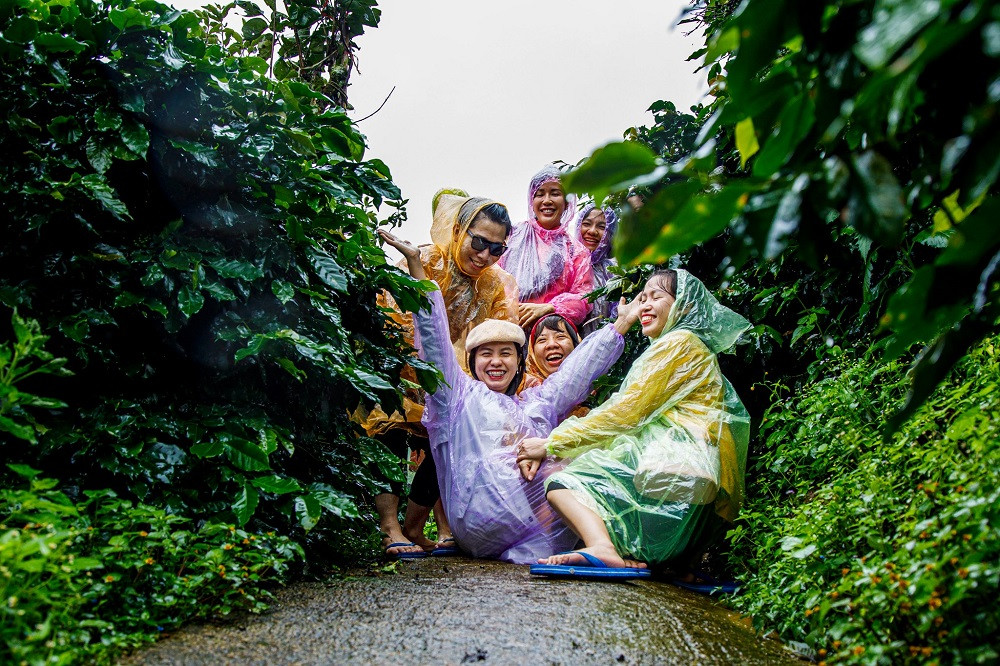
(588, 526)
(387, 506)
(441, 518)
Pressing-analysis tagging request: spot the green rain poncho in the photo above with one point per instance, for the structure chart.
(666, 454)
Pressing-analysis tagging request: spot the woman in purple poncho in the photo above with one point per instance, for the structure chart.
(595, 229)
(474, 424)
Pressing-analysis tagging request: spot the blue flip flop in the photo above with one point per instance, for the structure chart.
(404, 556)
(709, 586)
(597, 569)
(446, 551)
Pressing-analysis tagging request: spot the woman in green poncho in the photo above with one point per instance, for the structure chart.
(656, 466)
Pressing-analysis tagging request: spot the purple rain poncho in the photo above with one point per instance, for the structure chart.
(600, 262)
(548, 264)
(474, 431)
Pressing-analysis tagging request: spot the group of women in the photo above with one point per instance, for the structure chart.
(517, 469)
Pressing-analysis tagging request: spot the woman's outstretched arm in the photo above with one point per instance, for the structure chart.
(432, 337)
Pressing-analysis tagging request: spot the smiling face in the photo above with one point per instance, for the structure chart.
(496, 364)
(474, 262)
(654, 306)
(551, 347)
(548, 204)
(592, 229)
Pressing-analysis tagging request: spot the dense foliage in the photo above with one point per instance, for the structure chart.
(839, 138)
(189, 265)
(872, 551)
(839, 190)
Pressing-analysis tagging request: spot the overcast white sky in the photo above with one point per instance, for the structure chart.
(489, 92)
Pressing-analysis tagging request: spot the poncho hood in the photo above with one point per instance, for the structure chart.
(695, 309)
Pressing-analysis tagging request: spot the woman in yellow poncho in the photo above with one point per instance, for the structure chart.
(656, 466)
(469, 235)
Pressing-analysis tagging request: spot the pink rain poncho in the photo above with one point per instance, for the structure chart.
(473, 433)
(548, 264)
(600, 262)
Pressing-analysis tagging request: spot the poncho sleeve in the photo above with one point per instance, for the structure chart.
(434, 346)
(572, 303)
(669, 371)
(563, 390)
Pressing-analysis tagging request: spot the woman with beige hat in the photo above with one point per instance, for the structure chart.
(474, 424)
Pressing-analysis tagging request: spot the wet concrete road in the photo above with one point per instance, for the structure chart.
(460, 611)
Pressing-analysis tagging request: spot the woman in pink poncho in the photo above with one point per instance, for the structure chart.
(552, 270)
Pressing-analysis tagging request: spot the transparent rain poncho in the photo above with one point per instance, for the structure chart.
(665, 455)
(600, 262)
(548, 264)
(469, 300)
(474, 431)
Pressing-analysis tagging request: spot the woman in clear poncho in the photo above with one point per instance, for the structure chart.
(657, 466)
(595, 230)
(552, 270)
(468, 235)
(474, 423)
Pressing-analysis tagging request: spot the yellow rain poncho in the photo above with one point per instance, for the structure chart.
(666, 454)
(468, 300)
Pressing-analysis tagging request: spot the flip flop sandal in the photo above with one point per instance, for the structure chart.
(446, 551)
(596, 570)
(705, 584)
(404, 555)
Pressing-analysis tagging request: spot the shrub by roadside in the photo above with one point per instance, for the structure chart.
(869, 551)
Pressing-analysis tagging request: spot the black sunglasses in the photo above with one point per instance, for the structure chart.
(479, 244)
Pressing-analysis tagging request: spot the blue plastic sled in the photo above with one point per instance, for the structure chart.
(597, 569)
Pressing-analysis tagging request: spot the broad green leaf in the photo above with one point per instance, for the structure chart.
(128, 17)
(57, 43)
(308, 511)
(135, 136)
(696, 219)
(190, 300)
(614, 167)
(254, 27)
(892, 26)
(975, 236)
(277, 484)
(236, 268)
(283, 290)
(647, 223)
(786, 218)
(19, 430)
(882, 197)
(746, 140)
(102, 192)
(337, 503)
(21, 30)
(796, 120)
(328, 270)
(246, 503)
(98, 154)
(246, 455)
(209, 449)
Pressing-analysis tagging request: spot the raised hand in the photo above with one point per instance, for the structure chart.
(409, 251)
(628, 314)
(406, 248)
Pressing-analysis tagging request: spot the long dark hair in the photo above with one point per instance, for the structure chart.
(515, 383)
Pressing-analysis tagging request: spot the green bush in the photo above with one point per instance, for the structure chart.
(105, 574)
(873, 551)
(198, 242)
